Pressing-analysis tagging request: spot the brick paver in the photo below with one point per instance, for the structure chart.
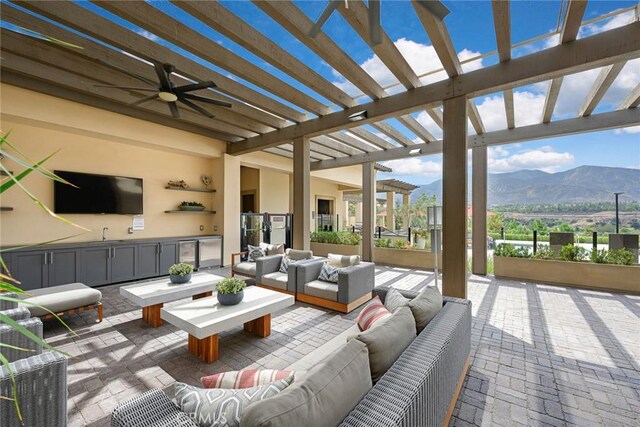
(541, 355)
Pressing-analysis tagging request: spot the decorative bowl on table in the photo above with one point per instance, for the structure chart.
(230, 299)
(179, 279)
(230, 291)
(180, 273)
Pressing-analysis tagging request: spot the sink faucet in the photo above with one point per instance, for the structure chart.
(104, 233)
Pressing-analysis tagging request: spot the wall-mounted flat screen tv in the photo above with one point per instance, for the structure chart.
(97, 194)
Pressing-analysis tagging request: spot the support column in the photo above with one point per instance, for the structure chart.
(368, 209)
(479, 203)
(454, 197)
(358, 212)
(405, 215)
(301, 193)
(391, 210)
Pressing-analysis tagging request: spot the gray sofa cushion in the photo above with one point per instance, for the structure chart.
(297, 255)
(275, 249)
(322, 398)
(395, 300)
(343, 260)
(276, 280)
(321, 289)
(388, 340)
(245, 267)
(425, 306)
(62, 298)
(221, 406)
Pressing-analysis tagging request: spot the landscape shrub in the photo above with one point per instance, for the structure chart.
(620, 257)
(599, 256)
(543, 252)
(382, 243)
(572, 253)
(509, 250)
(401, 244)
(336, 237)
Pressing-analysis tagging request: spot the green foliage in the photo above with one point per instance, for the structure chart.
(620, 257)
(191, 204)
(509, 250)
(401, 244)
(230, 285)
(382, 243)
(421, 233)
(416, 211)
(180, 269)
(572, 253)
(495, 222)
(569, 207)
(543, 252)
(599, 256)
(336, 237)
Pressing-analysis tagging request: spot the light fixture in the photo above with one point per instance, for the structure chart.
(167, 96)
(415, 151)
(356, 117)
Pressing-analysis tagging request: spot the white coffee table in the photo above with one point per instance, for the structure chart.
(152, 295)
(205, 318)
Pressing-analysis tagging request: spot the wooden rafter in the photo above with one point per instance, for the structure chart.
(632, 100)
(372, 138)
(222, 20)
(393, 133)
(602, 49)
(351, 141)
(84, 21)
(596, 122)
(502, 25)
(322, 149)
(603, 82)
(338, 146)
(568, 33)
(441, 41)
(416, 127)
(150, 18)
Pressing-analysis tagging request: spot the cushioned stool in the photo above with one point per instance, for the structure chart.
(64, 299)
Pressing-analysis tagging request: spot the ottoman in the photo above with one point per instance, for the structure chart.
(64, 299)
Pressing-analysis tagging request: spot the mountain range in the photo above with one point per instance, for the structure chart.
(584, 184)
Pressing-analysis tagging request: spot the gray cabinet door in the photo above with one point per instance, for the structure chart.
(97, 265)
(168, 256)
(148, 260)
(30, 269)
(65, 266)
(123, 263)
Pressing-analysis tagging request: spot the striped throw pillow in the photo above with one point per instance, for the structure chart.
(245, 378)
(372, 313)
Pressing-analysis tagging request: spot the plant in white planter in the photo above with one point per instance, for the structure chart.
(230, 290)
(180, 273)
(421, 238)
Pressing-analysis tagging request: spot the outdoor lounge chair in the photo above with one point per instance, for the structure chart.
(241, 265)
(268, 274)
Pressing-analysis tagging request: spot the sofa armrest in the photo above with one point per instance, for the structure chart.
(419, 386)
(355, 281)
(13, 337)
(150, 409)
(307, 271)
(8, 305)
(41, 383)
(20, 313)
(266, 265)
(236, 255)
(381, 291)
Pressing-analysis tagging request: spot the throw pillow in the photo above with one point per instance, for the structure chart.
(329, 273)
(245, 378)
(425, 306)
(275, 249)
(297, 254)
(387, 341)
(343, 260)
(223, 407)
(285, 263)
(394, 300)
(255, 252)
(372, 313)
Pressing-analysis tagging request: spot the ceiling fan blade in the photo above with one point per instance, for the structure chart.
(198, 108)
(194, 86)
(207, 100)
(174, 109)
(127, 88)
(435, 7)
(163, 77)
(146, 99)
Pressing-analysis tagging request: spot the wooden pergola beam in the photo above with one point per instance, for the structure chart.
(605, 48)
(393, 133)
(603, 82)
(502, 25)
(597, 122)
(416, 127)
(632, 100)
(353, 142)
(371, 138)
(335, 145)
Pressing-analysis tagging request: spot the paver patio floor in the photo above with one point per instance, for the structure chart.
(541, 355)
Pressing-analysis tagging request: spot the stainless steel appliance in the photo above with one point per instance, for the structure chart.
(188, 252)
(210, 252)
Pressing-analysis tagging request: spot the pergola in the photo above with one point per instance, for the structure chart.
(271, 115)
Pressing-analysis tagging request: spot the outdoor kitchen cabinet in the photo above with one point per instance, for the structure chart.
(155, 258)
(41, 268)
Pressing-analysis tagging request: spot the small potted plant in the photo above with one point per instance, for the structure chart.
(230, 290)
(180, 273)
(191, 206)
(421, 238)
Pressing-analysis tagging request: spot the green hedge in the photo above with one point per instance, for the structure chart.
(545, 238)
(336, 238)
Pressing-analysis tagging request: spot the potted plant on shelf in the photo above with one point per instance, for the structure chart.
(180, 273)
(421, 238)
(191, 206)
(230, 290)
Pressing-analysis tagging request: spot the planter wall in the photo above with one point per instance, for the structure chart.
(410, 258)
(581, 274)
(323, 249)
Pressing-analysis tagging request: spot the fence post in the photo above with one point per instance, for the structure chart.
(353, 228)
(379, 232)
(595, 240)
(502, 232)
(535, 241)
(409, 234)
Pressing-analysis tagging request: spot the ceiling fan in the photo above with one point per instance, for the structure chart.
(172, 94)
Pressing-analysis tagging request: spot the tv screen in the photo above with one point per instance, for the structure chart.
(97, 194)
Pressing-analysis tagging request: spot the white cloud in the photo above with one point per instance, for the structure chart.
(631, 129)
(425, 120)
(544, 158)
(606, 25)
(415, 167)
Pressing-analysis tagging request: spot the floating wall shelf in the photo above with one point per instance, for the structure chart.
(5, 209)
(190, 212)
(200, 190)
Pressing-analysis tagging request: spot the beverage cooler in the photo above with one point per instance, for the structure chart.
(205, 252)
(265, 227)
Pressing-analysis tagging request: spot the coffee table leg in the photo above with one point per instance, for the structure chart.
(260, 326)
(206, 349)
(151, 315)
(203, 295)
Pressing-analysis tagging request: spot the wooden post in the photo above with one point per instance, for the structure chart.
(301, 193)
(405, 216)
(479, 203)
(454, 198)
(368, 209)
(391, 207)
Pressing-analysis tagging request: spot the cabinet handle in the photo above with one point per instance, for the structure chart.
(50, 257)
(113, 252)
(45, 259)
(160, 247)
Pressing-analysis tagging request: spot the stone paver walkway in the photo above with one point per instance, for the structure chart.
(541, 355)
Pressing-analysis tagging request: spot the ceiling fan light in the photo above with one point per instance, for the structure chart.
(168, 96)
